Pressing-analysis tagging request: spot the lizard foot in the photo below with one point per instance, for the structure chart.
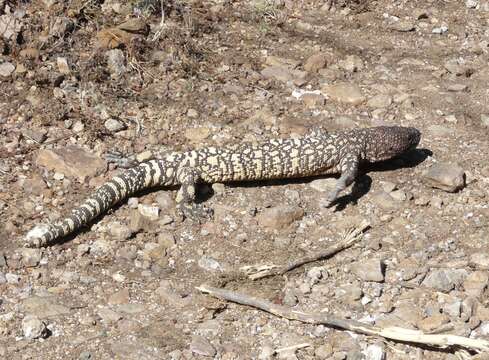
(117, 157)
(329, 200)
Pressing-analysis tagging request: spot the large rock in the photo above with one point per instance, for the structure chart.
(344, 92)
(445, 176)
(284, 74)
(278, 217)
(369, 270)
(71, 161)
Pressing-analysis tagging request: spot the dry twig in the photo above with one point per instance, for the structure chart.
(255, 272)
(390, 332)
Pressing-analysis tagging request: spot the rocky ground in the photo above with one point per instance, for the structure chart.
(83, 78)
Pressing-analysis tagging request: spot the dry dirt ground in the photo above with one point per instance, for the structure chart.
(82, 78)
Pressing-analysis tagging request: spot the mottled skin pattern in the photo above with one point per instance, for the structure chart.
(317, 153)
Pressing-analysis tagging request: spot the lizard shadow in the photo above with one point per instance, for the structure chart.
(360, 187)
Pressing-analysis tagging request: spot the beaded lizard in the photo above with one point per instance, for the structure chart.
(317, 153)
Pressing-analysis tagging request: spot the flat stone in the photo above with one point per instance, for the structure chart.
(388, 186)
(131, 309)
(345, 93)
(323, 185)
(30, 257)
(433, 322)
(399, 195)
(476, 283)
(480, 259)
(72, 161)
(440, 131)
(403, 26)
(139, 222)
(279, 217)
(119, 231)
(379, 101)
(283, 74)
(33, 185)
(445, 176)
(209, 263)
(445, 280)
(114, 125)
(313, 100)
(369, 270)
(323, 351)
(151, 212)
(349, 293)
(315, 62)
(457, 87)
(201, 346)
(44, 307)
(383, 200)
(197, 134)
(119, 297)
(108, 316)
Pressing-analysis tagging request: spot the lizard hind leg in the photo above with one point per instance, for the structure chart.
(188, 178)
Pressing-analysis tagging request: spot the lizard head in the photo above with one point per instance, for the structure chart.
(386, 142)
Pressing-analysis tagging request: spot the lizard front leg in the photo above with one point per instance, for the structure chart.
(349, 172)
(188, 178)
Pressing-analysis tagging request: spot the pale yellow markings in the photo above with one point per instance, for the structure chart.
(192, 158)
(94, 203)
(113, 187)
(86, 206)
(297, 142)
(71, 224)
(258, 166)
(122, 184)
(308, 151)
(157, 174)
(237, 166)
(147, 175)
(169, 172)
(191, 191)
(212, 160)
(179, 197)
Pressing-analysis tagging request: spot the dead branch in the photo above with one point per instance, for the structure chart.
(352, 236)
(390, 332)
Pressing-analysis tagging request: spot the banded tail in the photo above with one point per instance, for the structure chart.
(143, 176)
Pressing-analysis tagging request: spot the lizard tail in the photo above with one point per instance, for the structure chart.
(143, 176)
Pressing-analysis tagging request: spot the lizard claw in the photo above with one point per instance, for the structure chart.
(330, 199)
